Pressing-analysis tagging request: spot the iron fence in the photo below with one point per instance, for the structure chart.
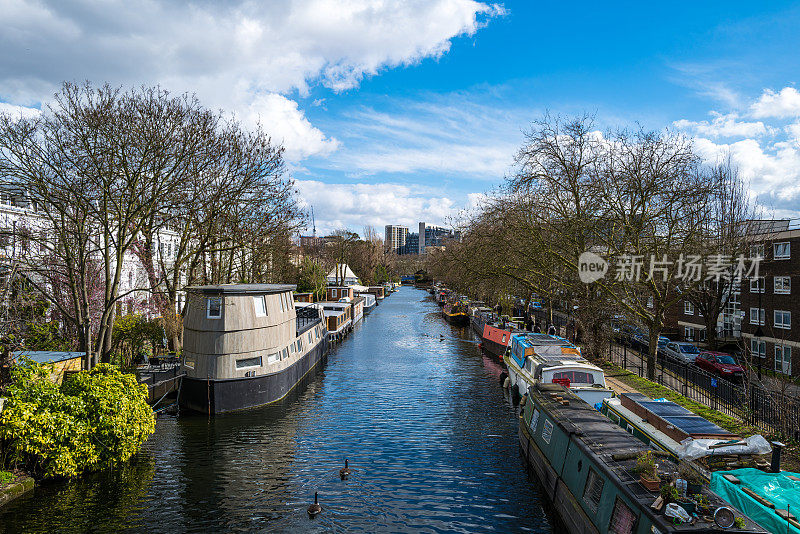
(772, 411)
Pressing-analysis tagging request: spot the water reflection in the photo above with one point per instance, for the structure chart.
(407, 398)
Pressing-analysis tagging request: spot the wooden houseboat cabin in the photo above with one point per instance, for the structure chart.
(245, 345)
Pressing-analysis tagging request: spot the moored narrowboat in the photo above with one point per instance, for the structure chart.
(587, 464)
(246, 346)
(534, 358)
(456, 313)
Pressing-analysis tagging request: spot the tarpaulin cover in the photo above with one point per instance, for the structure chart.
(692, 449)
(777, 488)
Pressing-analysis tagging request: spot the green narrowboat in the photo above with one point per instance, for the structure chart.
(586, 465)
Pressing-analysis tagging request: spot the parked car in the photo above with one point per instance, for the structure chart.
(642, 339)
(721, 364)
(679, 351)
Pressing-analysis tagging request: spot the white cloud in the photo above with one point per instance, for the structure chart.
(783, 104)
(231, 54)
(288, 125)
(767, 153)
(723, 126)
(18, 111)
(354, 206)
(450, 136)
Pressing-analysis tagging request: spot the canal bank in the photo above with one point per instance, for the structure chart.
(407, 398)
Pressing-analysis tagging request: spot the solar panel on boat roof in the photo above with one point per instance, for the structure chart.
(695, 424)
(665, 409)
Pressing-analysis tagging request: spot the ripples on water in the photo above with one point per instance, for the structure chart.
(422, 419)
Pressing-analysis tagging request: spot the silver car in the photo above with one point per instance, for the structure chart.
(680, 351)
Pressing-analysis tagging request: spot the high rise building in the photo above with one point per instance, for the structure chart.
(395, 238)
(434, 236)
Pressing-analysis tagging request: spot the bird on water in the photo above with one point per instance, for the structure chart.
(344, 473)
(315, 508)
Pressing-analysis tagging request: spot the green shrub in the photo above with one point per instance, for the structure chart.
(97, 418)
(6, 477)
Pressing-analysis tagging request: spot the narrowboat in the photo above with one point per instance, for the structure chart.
(535, 358)
(586, 465)
(495, 333)
(684, 435)
(378, 291)
(456, 313)
(246, 346)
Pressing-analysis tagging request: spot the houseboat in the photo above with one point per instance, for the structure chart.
(535, 358)
(378, 291)
(245, 346)
(456, 313)
(495, 333)
(586, 465)
(369, 301)
(338, 319)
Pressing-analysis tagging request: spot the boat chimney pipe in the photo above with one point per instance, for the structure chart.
(777, 446)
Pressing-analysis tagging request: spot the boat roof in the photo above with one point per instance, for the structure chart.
(241, 289)
(685, 421)
(582, 364)
(614, 450)
(46, 356)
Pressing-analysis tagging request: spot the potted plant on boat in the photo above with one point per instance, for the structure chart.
(694, 482)
(670, 493)
(702, 503)
(647, 469)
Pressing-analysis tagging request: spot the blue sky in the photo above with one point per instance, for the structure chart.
(395, 113)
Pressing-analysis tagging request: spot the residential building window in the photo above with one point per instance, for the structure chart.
(649, 302)
(757, 285)
(688, 308)
(782, 319)
(757, 250)
(757, 316)
(783, 285)
(701, 334)
(781, 251)
(688, 333)
(260, 305)
(758, 348)
(783, 359)
(214, 307)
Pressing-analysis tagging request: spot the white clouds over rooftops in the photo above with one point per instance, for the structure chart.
(766, 151)
(233, 55)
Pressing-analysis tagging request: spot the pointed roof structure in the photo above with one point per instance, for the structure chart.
(342, 275)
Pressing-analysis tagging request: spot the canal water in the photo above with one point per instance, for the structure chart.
(408, 399)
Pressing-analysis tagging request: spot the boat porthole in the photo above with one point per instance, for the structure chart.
(580, 465)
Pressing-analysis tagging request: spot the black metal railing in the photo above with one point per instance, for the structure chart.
(306, 316)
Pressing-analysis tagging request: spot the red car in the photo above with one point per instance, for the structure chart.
(721, 364)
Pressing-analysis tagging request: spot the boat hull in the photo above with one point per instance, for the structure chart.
(570, 512)
(227, 395)
(458, 319)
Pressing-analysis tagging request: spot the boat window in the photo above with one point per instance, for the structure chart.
(333, 292)
(310, 337)
(504, 338)
(593, 490)
(260, 306)
(214, 307)
(283, 305)
(579, 377)
(614, 417)
(623, 520)
(528, 366)
(272, 358)
(299, 344)
(247, 363)
(285, 353)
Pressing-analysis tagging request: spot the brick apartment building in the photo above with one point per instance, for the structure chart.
(771, 300)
